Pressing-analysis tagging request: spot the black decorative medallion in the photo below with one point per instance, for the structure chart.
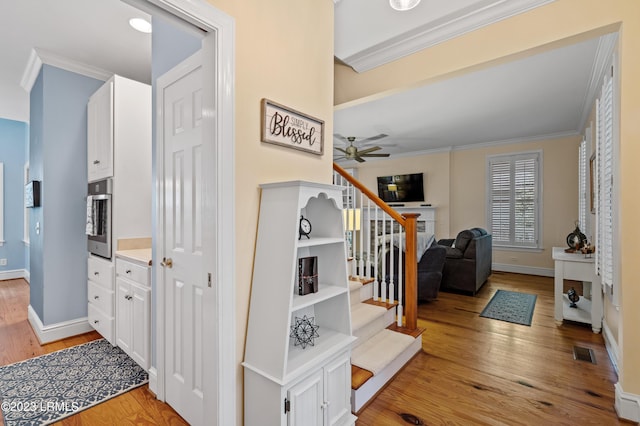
(304, 331)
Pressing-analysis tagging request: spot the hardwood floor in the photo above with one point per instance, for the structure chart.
(480, 371)
(18, 342)
(472, 371)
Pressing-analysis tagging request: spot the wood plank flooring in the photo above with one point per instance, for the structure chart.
(472, 371)
(18, 342)
(480, 371)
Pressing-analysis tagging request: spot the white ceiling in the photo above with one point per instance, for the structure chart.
(91, 32)
(546, 94)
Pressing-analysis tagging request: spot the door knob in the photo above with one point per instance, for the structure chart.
(167, 262)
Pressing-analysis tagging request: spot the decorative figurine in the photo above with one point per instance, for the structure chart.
(573, 297)
(576, 239)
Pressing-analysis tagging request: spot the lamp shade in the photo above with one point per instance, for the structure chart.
(351, 219)
(403, 5)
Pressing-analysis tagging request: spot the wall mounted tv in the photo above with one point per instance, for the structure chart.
(401, 188)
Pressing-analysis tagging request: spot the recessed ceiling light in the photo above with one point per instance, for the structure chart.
(141, 25)
(403, 5)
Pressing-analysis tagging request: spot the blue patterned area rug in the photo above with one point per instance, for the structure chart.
(511, 306)
(42, 390)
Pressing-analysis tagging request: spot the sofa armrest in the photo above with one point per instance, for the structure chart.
(447, 242)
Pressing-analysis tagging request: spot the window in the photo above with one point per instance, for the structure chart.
(514, 199)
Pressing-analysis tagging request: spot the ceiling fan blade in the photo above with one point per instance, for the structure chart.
(340, 149)
(340, 137)
(374, 155)
(374, 138)
(359, 159)
(368, 150)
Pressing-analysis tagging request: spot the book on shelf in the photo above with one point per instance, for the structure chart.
(307, 275)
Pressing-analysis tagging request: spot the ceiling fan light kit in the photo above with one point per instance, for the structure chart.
(403, 5)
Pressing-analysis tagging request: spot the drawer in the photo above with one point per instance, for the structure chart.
(100, 272)
(101, 298)
(133, 271)
(102, 323)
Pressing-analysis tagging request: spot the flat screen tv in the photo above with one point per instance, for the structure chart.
(401, 188)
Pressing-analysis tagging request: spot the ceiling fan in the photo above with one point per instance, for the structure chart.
(352, 152)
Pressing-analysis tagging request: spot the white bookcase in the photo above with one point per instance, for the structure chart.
(285, 383)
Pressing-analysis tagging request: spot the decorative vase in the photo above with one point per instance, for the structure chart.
(576, 239)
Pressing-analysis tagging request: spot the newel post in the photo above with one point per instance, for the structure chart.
(411, 272)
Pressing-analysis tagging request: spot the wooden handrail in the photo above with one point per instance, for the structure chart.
(373, 197)
(408, 222)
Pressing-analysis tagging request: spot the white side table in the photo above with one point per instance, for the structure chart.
(575, 266)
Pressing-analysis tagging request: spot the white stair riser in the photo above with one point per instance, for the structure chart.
(365, 332)
(361, 294)
(362, 395)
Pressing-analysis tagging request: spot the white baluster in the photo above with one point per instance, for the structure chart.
(399, 310)
(377, 283)
(368, 236)
(358, 221)
(383, 289)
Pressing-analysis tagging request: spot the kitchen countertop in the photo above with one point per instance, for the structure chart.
(136, 255)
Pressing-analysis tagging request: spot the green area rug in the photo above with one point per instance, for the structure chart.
(511, 306)
(45, 389)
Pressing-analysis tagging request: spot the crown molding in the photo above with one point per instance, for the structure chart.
(39, 57)
(480, 14)
(604, 54)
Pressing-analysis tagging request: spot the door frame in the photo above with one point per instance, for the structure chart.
(218, 56)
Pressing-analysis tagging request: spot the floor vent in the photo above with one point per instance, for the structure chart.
(584, 354)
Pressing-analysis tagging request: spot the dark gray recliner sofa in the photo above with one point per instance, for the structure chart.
(468, 262)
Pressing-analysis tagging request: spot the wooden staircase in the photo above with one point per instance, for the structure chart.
(375, 326)
(386, 331)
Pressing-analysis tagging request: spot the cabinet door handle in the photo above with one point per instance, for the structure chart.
(96, 297)
(167, 262)
(96, 161)
(128, 271)
(96, 321)
(96, 273)
(128, 297)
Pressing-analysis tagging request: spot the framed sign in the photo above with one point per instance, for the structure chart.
(287, 127)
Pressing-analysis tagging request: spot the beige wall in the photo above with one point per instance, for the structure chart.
(284, 52)
(455, 183)
(553, 25)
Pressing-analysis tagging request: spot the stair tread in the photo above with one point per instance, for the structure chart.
(381, 303)
(362, 314)
(380, 350)
(363, 280)
(359, 376)
(413, 332)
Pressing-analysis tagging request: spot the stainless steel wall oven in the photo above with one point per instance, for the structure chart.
(99, 218)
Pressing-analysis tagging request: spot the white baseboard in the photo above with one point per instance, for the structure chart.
(153, 380)
(14, 274)
(61, 330)
(521, 269)
(627, 404)
(611, 345)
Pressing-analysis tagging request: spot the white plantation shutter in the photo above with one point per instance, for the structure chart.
(583, 188)
(513, 196)
(605, 218)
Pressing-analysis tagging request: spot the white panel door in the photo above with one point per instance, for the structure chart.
(123, 314)
(184, 284)
(337, 383)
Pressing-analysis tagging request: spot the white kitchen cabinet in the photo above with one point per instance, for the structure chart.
(100, 133)
(288, 383)
(101, 309)
(133, 310)
(119, 130)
